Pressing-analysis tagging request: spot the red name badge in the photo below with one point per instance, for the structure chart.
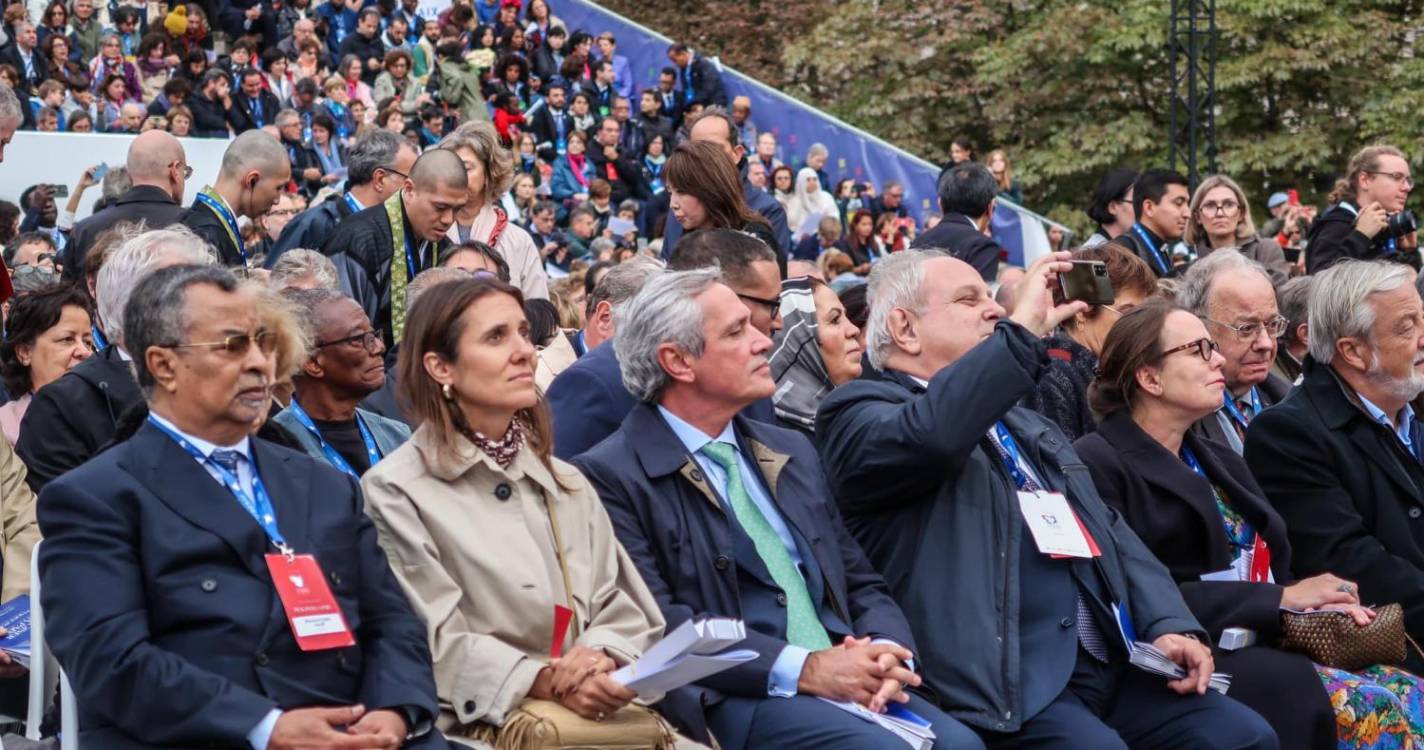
(312, 612)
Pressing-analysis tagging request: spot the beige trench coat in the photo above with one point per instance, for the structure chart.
(18, 528)
(526, 265)
(472, 546)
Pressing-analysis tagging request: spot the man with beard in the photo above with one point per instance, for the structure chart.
(1233, 296)
(1342, 459)
(344, 367)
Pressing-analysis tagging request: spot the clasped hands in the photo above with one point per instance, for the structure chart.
(581, 680)
(320, 729)
(859, 671)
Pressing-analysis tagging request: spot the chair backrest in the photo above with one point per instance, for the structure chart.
(45, 673)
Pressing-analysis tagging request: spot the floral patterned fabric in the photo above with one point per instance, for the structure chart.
(1376, 708)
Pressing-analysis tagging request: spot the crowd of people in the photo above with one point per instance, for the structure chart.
(458, 358)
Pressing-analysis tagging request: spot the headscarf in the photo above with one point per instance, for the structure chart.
(796, 362)
(804, 204)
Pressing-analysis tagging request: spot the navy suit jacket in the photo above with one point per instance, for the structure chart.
(588, 401)
(160, 607)
(685, 547)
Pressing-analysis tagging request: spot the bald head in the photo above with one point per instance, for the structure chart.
(439, 169)
(150, 156)
(252, 151)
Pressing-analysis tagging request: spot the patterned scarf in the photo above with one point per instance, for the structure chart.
(504, 450)
(796, 362)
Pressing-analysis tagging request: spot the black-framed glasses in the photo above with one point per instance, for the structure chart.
(1248, 331)
(1396, 176)
(369, 340)
(237, 345)
(396, 172)
(773, 306)
(1204, 348)
(1224, 208)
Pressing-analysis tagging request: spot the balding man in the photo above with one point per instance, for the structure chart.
(159, 170)
(255, 170)
(379, 250)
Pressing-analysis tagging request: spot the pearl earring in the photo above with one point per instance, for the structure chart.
(445, 390)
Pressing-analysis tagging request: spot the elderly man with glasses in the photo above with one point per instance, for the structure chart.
(1233, 296)
(346, 365)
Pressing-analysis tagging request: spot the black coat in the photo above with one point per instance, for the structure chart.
(210, 118)
(310, 228)
(707, 87)
(70, 419)
(957, 235)
(364, 48)
(1351, 495)
(1271, 391)
(205, 223)
(132, 535)
(244, 117)
(302, 158)
(1173, 511)
(588, 401)
(1155, 261)
(543, 123)
(629, 176)
(1061, 393)
(151, 205)
(28, 85)
(1333, 238)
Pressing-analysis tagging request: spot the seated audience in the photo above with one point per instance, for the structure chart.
(1340, 459)
(934, 467)
(1073, 350)
(706, 193)
(383, 401)
(686, 478)
(300, 268)
(47, 333)
(1292, 300)
(1111, 208)
(816, 350)
(344, 367)
(1376, 184)
(1221, 219)
(1234, 298)
(1162, 206)
(484, 443)
(1193, 502)
(967, 193)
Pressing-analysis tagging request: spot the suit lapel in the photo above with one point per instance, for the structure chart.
(1366, 437)
(770, 464)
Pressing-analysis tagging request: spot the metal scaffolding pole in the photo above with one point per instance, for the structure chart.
(1191, 44)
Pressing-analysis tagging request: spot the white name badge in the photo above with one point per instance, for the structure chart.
(1054, 527)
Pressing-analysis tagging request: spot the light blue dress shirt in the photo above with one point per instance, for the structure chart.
(1400, 430)
(262, 733)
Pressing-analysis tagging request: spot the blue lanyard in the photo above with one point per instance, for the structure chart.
(100, 342)
(226, 217)
(373, 454)
(1230, 405)
(1157, 258)
(257, 114)
(412, 260)
(351, 203)
(258, 504)
(1191, 461)
(1011, 461)
(687, 83)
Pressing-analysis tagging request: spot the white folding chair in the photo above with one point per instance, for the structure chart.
(45, 673)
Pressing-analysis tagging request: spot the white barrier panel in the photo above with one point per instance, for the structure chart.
(61, 158)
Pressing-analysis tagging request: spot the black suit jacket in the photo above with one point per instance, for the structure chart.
(1351, 495)
(588, 401)
(28, 85)
(154, 576)
(957, 235)
(151, 205)
(544, 125)
(70, 419)
(1272, 391)
(707, 87)
(244, 117)
(210, 118)
(205, 223)
(679, 536)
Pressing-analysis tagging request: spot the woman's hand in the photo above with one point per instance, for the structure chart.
(1363, 615)
(575, 666)
(86, 180)
(598, 697)
(1319, 592)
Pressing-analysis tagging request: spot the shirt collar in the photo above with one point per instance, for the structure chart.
(1402, 430)
(692, 438)
(206, 448)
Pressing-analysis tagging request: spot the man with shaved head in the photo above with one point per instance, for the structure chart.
(378, 250)
(159, 170)
(255, 170)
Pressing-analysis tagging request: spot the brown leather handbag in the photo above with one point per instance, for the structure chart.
(1332, 639)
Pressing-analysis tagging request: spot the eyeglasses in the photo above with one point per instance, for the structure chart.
(773, 306)
(369, 340)
(187, 170)
(1396, 176)
(237, 345)
(1204, 348)
(1224, 208)
(396, 172)
(1248, 331)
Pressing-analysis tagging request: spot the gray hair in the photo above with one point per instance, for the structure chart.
(302, 263)
(375, 149)
(1194, 294)
(665, 311)
(155, 313)
(10, 106)
(306, 304)
(116, 183)
(1293, 301)
(599, 245)
(1340, 302)
(430, 278)
(894, 282)
(286, 115)
(138, 257)
(817, 149)
(623, 282)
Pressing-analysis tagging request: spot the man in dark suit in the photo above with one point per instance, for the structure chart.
(700, 81)
(967, 195)
(1162, 201)
(365, 44)
(27, 59)
(212, 105)
(611, 163)
(551, 123)
(669, 103)
(71, 419)
(254, 106)
(599, 88)
(1233, 296)
(1342, 458)
(174, 560)
(159, 171)
(687, 480)
(949, 486)
(255, 170)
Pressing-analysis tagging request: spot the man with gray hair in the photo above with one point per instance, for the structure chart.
(255, 170)
(1342, 459)
(953, 490)
(376, 167)
(1234, 298)
(1293, 299)
(688, 477)
(70, 419)
(11, 115)
(303, 269)
(588, 400)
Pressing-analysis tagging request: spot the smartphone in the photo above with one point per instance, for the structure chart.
(59, 191)
(100, 171)
(1087, 281)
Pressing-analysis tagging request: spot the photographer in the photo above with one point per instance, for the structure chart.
(1368, 220)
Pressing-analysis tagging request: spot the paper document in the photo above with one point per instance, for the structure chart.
(15, 618)
(695, 650)
(898, 720)
(620, 226)
(1150, 659)
(810, 225)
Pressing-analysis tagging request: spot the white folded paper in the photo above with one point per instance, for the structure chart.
(696, 649)
(900, 721)
(1150, 659)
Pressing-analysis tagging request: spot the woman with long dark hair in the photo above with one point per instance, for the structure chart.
(706, 192)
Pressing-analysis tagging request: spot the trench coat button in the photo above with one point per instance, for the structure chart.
(1414, 512)
(696, 475)
(469, 707)
(722, 562)
(1065, 623)
(209, 585)
(262, 659)
(503, 491)
(781, 599)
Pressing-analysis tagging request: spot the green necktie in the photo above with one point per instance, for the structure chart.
(803, 627)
